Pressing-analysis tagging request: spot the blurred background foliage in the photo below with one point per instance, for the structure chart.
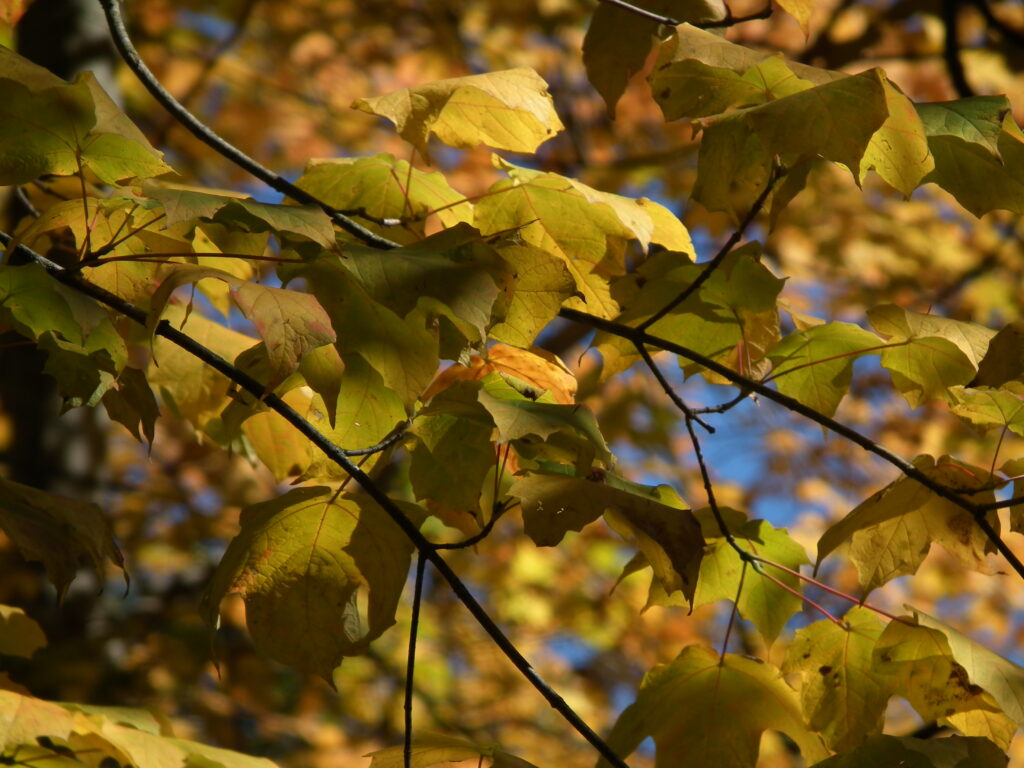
(277, 78)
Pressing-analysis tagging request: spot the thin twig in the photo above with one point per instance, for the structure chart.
(483, 533)
(669, 390)
(719, 257)
(205, 134)
(643, 13)
(639, 336)
(951, 50)
(728, 405)
(342, 459)
(410, 667)
(735, 610)
(804, 598)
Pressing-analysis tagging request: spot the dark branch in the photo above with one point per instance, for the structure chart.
(951, 50)
(638, 336)
(410, 668)
(668, 21)
(677, 401)
(719, 257)
(203, 132)
(341, 458)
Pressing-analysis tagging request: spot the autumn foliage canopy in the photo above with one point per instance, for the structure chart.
(515, 383)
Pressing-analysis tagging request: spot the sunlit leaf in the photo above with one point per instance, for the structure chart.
(890, 533)
(702, 709)
(506, 110)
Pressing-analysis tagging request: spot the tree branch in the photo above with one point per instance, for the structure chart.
(719, 257)
(639, 336)
(340, 457)
(112, 10)
(410, 667)
(951, 50)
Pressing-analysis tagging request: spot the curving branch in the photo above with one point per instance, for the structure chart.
(718, 258)
(199, 129)
(342, 458)
(951, 50)
(639, 336)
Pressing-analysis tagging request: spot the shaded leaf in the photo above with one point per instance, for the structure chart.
(705, 710)
(433, 748)
(554, 504)
(298, 563)
(618, 41)
(1000, 677)
(909, 752)
(188, 205)
(1004, 358)
(57, 531)
(20, 635)
(509, 110)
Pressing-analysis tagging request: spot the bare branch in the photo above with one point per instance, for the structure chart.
(205, 134)
(342, 459)
(719, 257)
(639, 336)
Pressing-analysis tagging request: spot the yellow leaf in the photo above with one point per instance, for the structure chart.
(510, 110)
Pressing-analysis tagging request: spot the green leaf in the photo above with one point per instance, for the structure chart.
(910, 752)
(57, 531)
(186, 205)
(935, 353)
(763, 602)
(705, 710)
(975, 120)
(299, 563)
(988, 407)
(732, 318)
(386, 188)
(34, 303)
(517, 416)
(454, 266)
(509, 110)
(815, 366)
(690, 88)
(453, 452)
(982, 180)
(402, 350)
(323, 368)
(20, 635)
(843, 696)
(42, 133)
(554, 504)
(891, 532)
